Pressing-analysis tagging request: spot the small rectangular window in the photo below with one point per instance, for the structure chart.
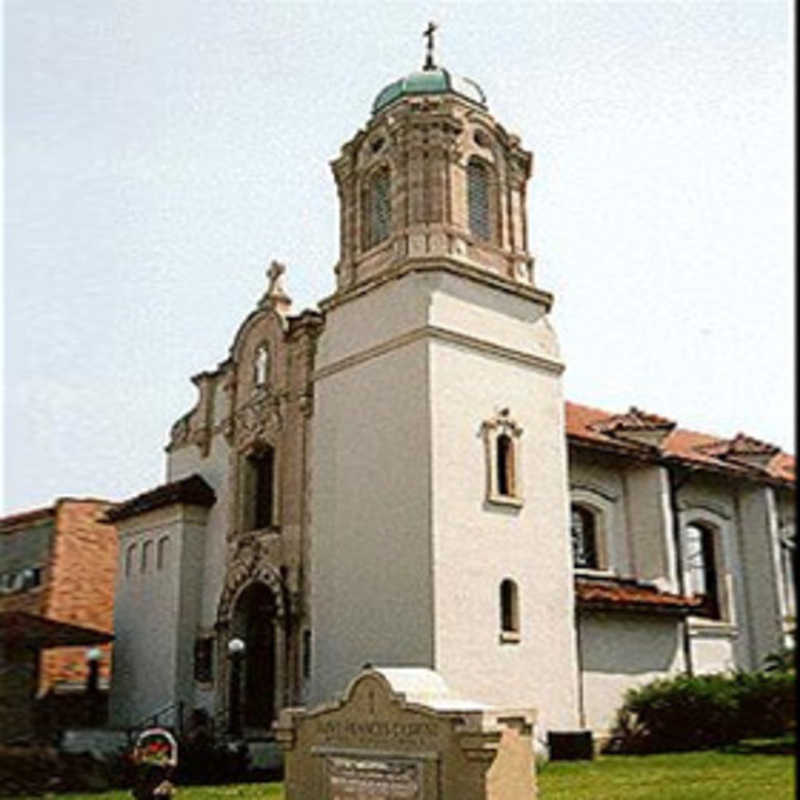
(262, 474)
(204, 659)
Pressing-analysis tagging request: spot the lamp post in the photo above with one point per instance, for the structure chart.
(93, 657)
(236, 649)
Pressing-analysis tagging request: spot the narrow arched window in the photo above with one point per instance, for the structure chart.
(509, 607)
(161, 552)
(130, 554)
(147, 549)
(377, 220)
(584, 537)
(505, 465)
(701, 569)
(478, 199)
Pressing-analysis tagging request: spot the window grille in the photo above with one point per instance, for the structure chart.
(478, 199)
(379, 208)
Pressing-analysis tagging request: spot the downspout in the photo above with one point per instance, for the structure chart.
(676, 481)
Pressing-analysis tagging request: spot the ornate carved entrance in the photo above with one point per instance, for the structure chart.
(252, 608)
(254, 622)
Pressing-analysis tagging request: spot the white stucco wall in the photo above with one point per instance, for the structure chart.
(406, 556)
(757, 523)
(478, 544)
(370, 551)
(620, 651)
(155, 614)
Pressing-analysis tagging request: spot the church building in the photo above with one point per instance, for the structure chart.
(396, 478)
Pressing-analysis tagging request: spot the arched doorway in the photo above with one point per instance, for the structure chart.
(254, 621)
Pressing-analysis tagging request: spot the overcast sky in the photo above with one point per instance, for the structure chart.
(159, 154)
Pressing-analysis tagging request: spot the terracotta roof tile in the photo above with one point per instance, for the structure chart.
(593, 426)
(633, 419)
(623, 594)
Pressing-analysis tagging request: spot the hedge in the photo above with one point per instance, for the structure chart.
(704, 711)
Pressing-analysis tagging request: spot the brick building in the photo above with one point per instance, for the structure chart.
(60, 562)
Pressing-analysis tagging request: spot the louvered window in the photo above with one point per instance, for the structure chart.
(379, 209)
(478, 199)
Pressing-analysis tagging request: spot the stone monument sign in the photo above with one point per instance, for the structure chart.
(398, 734)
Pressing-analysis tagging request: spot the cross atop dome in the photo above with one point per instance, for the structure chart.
(428, 34)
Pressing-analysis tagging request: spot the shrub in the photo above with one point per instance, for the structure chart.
(699, 712)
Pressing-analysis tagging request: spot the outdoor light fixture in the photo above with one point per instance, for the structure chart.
(94, 654)
(236, 648)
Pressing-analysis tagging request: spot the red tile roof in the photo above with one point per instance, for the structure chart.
(624, 594)
(189, 491)
(633, 420)
(587, 425)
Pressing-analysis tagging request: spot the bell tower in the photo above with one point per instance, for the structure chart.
(432, 175)
(439, 510)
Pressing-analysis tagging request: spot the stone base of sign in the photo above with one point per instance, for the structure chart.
(398, 733)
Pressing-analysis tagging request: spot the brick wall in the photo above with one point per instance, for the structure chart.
(80, 589)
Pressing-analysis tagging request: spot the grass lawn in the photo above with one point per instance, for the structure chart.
(737, 774)
(708, 775)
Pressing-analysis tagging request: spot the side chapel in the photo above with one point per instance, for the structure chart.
(396, 478)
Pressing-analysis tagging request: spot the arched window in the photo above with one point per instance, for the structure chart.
(584, 537)
(509, 608)
(130, 554)
(505, 465)
(701, 569)
(377, 220)
(147, 549)
(504, 477)
(161, 552)
(261, 365)
(478, 199)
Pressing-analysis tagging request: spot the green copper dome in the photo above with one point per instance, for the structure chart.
(429, 81)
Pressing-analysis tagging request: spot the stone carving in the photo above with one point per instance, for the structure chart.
(260, 418)
(400, 733)
(250, 565)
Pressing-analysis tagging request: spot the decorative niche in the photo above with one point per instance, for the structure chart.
(502, 441)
